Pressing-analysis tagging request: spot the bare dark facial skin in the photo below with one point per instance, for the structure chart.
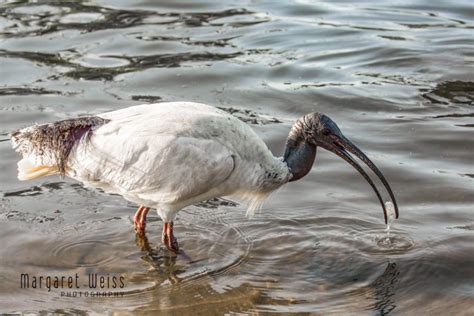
(323, 132)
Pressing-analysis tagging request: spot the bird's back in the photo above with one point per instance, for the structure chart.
(191, 120)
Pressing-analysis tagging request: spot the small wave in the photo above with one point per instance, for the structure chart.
(84, 253)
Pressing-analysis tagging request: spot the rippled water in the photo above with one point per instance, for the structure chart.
(398, 79)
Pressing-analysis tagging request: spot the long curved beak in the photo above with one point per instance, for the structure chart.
(341, 146)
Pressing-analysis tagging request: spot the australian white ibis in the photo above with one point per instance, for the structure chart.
(171, 155)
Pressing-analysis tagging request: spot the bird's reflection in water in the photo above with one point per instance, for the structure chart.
(382, 290)
(166, 266)
(160, 260)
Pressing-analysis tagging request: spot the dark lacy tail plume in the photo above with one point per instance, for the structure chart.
(51, 144)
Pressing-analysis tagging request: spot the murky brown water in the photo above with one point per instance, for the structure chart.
(398, 79)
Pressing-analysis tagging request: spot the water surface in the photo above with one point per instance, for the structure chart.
(397, 78)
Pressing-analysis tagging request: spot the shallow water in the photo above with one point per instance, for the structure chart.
(397, 78)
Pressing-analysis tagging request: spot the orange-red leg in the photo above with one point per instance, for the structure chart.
(168, 238)
(139, 220)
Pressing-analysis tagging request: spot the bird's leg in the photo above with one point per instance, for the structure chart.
(139, 220)
(168, 239)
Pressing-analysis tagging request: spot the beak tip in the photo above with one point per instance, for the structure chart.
(396, 209)
(345, 144)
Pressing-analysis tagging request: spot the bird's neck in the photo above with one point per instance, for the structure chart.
(299, 153)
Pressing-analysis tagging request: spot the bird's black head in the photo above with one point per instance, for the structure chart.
(318, 130)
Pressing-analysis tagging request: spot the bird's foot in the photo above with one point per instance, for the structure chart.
(168, 239)
(171, 244)
(139, 220)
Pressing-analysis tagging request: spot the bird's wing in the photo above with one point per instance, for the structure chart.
(160, 168)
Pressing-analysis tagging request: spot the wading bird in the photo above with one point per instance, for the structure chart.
(171, 155)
